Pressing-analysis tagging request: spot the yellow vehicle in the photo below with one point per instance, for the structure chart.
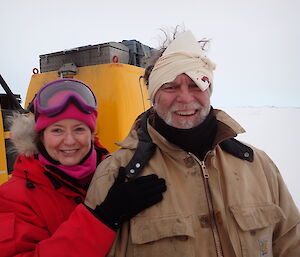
(3, 163)
(113, 71)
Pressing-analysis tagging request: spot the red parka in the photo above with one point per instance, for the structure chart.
(42, 215)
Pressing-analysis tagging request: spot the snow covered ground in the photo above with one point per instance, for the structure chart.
(276, 131)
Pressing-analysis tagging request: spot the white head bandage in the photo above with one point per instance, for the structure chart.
(183, 55)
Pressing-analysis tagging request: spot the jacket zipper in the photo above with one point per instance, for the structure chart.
(210, 207)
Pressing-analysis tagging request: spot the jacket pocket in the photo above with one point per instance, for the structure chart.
(255, 227)
(167, 236)
(7, 226)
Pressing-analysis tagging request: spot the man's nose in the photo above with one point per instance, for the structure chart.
(185, 96)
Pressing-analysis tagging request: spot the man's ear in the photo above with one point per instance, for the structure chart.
(154, 106)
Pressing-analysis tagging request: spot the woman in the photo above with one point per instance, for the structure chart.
(41, 206)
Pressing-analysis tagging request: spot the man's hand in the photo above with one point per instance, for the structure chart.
(126, 199)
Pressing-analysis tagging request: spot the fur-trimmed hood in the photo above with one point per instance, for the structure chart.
(23, 135)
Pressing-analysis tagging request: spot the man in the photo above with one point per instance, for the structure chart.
(224, 198)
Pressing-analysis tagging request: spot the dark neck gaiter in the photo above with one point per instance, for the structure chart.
(197, 140)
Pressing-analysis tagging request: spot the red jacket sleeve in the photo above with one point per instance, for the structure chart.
(81, 235)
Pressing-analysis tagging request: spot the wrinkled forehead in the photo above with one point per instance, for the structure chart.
(184, 78)
(179, 80)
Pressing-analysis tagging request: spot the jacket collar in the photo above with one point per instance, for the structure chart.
(227, 128)
(30, 169)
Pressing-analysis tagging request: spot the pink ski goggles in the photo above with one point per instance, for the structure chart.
(55, 97)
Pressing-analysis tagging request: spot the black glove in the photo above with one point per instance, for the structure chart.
(126, 199)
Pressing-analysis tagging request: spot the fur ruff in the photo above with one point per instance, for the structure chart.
(23, 135)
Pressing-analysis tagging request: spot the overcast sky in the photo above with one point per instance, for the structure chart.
(255, 43)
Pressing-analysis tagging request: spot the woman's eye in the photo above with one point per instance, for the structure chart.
(56, 130)
(80, 129)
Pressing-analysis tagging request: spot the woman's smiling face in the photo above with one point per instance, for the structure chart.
(67, 141)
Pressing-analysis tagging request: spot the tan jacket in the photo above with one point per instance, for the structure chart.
(224, 206)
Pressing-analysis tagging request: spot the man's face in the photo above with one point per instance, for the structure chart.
(181, 103)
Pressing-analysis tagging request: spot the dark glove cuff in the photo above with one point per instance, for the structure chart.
(100, 214)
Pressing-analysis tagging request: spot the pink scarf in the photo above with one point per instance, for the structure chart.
(79, 171)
